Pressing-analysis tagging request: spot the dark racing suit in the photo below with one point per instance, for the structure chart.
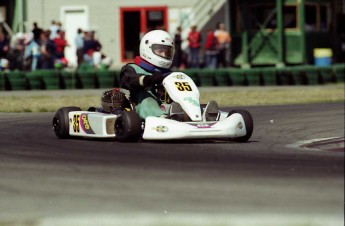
(139, 78)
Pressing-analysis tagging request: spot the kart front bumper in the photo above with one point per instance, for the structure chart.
(166, 129)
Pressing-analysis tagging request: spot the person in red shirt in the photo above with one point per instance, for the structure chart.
(211, 50)
(194, 39)
(60, 43)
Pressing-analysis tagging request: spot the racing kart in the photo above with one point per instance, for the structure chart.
(125, 125)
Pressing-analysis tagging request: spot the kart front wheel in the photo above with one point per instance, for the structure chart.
(128, 127)
(249, 125)
(61, 121)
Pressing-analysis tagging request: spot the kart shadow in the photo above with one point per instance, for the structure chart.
(191, 141)
(179, 141)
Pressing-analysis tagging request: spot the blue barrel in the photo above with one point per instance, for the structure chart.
(323, 57)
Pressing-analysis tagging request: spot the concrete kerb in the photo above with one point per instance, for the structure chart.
(321, 144)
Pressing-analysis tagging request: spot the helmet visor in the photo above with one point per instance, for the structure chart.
(163, 51)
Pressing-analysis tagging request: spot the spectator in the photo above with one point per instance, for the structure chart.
(224, 40)
(4, 64)
(211, 50)
(4, 50)
(4, 45)
(79, 44)
(16, 53)
(194, 39)
(177, 61)
(91, 45)
(32, 52)
(60, 43)
(37, 32)
(59, 24)
(87, 50)
(54, 28)
(48, 50)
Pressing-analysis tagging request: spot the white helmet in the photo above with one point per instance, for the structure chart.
(157, 48)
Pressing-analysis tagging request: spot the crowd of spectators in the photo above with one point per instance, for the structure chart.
(211, 53)
(45, 48)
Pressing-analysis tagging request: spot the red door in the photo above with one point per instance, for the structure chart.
(134, 23)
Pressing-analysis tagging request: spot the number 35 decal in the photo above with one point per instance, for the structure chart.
(76, 123)
(183, 86)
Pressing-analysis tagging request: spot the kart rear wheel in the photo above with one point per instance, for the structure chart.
(128, 126)
(249, 125)
(61, 121)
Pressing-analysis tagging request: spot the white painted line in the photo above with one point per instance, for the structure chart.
(166, 219)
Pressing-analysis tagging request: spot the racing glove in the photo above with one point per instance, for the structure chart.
(156, 78)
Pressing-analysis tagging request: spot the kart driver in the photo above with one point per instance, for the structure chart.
(156, 55)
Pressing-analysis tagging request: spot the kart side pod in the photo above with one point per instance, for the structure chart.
(71, 121)
(91, 124)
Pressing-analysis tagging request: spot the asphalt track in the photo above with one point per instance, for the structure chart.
(267, 181)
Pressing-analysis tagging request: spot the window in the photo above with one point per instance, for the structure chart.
(131, 33)
(323, 18)
(310, 17)
(316, 17)
(134, 23)
(290, 16)
(259, 14)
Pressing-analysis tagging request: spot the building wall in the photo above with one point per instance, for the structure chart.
(103, 17)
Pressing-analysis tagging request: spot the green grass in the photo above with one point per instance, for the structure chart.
(227, 96)
(277, 95)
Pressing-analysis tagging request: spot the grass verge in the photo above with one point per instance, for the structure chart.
(225, 96)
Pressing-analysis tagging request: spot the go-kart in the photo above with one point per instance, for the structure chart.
(192, 122)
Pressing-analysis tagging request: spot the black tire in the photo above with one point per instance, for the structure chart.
(249, 124)
(61, 121)
(128, 126)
